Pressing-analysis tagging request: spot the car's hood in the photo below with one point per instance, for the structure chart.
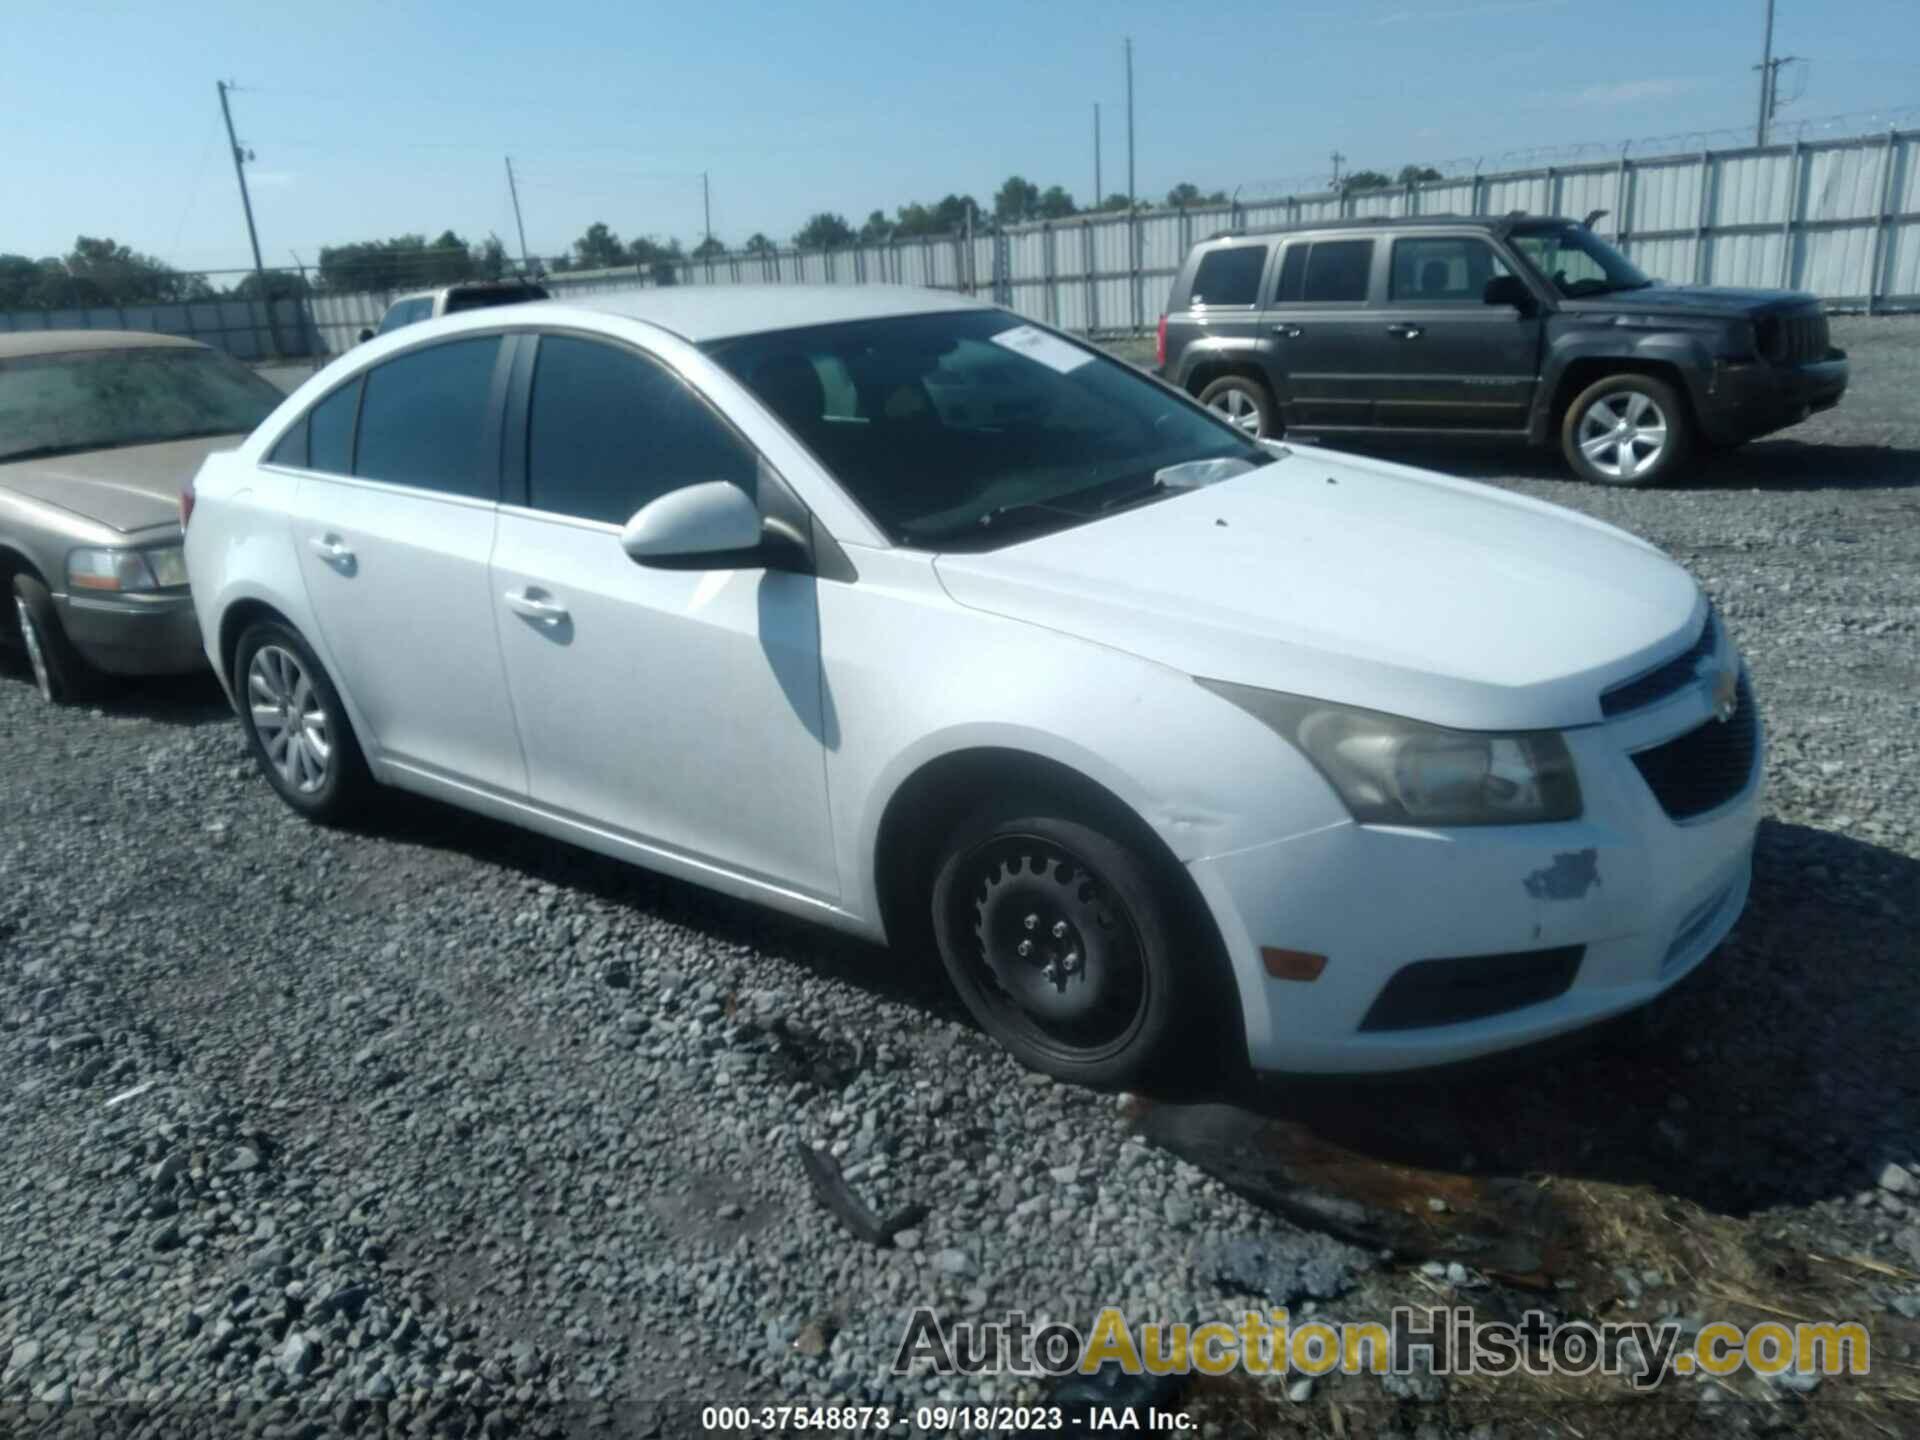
(1693, 300)
(134, 487)
(1360, 582)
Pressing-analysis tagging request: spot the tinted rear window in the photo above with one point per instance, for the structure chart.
(1338, 270)
(459, 300)
(1293, 273)
(424, 419)
(1229, 276)
(330, 424)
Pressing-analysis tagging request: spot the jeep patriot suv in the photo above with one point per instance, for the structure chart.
(1471, 325)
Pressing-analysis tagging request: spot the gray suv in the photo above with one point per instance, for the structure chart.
(1468, 325)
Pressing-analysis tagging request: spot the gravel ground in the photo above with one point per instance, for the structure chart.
(399, 1127)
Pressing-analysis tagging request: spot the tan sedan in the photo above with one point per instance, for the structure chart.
(100, 431)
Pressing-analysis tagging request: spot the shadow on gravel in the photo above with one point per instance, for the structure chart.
(1783, 1071)
(824, 952)
(167, 699)
(1786, 465)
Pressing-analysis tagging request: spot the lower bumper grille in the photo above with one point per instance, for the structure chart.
(1706, 767)
(1447, 992)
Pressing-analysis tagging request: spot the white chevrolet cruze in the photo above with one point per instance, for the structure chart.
(901, 613)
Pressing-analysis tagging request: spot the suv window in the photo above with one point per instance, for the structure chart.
(424, 420)
(1338, 270)
(608, 430)
(1443, 269)
(1293, 273)
(1229, 275)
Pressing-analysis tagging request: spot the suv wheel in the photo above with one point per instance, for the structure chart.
(1626, 430)
(297, 726)
(1244, 402)
(1063, 944)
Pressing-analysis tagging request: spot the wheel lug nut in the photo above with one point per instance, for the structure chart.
(1024, 948)
(1059, 929)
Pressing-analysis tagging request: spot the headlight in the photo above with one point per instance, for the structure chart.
(1392, 771)
(127, 571)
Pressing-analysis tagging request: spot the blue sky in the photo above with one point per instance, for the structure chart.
(373, 120)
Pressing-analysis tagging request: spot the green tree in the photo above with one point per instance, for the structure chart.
(1055, 204)
(1185, 193)
(1416, 174)
(825, 231)
(657, 258)
(1116, 201)
(599, 248)
(759, 244)
(709, 248)
(491, 262)
(1016, 200)
(23, 281)
(279, 285)
(876, 228)
(100, 271)
(1363, 180)
(560, 264)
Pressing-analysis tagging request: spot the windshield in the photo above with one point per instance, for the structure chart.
(972, 430)
(101, 399)
(1576, 260)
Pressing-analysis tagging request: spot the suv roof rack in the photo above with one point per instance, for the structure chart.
(1358, 222)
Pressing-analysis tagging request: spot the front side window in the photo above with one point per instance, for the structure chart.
(1443, 270)
(608, 430)
(972, 430)
(1229, 275)
(423, 420)
(1576, 261)
(1338, 271)
(1293, 273)
(105, 399)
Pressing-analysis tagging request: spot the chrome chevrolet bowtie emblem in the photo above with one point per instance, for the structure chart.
(1723, 688)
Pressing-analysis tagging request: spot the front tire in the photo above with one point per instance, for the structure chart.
(1061, 941)
(60, 673)
(296, 725)
(1244, 403)
(1627, 430)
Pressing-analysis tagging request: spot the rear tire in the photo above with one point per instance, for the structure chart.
(297, 727)
(1628, 430)
(60, 674)
(1105, 987)
(1244, 403)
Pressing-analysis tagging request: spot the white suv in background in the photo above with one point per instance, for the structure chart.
(454, 300)
(897, 612)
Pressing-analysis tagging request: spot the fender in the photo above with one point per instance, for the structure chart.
(1237, 350)
(1682, 347)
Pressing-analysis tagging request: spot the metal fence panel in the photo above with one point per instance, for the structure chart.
(1903, 262)
(1666, 196)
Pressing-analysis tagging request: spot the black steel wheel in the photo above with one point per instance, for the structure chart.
(1060, 941)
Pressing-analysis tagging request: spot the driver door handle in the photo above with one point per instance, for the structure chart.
(1288, 332)
(536, 605)
(1405, 332)
(331, 548)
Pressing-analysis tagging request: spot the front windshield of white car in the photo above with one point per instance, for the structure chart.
(104, 399)
(971, 430)
(1576, 261)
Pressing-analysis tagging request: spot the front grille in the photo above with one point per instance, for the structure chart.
(1706, 767)
(1446, 992)
(1800, 339)
(1664, 679)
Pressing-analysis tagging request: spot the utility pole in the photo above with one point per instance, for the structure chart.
(240, 157)
(1098, 193)
(706, 204)
(526, 265)
(1338, 160)
(1766, 69)
(1130, 191)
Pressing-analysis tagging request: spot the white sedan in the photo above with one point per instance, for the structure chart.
(898, 612)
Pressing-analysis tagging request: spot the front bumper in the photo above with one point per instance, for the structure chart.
(1749, 400)
(134, 634)
(1643, 897)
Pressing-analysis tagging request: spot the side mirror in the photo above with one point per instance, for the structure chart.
(1509, 290)
(366, 333)
(711, 526)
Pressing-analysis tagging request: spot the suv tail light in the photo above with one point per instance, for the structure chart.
(186, 504)
(1160, 343)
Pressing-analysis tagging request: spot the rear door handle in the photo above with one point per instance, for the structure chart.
(332, 549)
(1289, 332)
(1405, 332)
(536, 605)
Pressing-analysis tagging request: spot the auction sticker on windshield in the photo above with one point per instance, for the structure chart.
(1049, 350)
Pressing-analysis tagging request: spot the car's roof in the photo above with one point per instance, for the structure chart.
(515, 284)
(1396, 222)
(699, 313)
(17, 343)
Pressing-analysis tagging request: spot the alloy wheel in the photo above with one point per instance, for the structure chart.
(289, 718)
(1623, 435)
(36, 656)
(1239, 408)
(1062, 957)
